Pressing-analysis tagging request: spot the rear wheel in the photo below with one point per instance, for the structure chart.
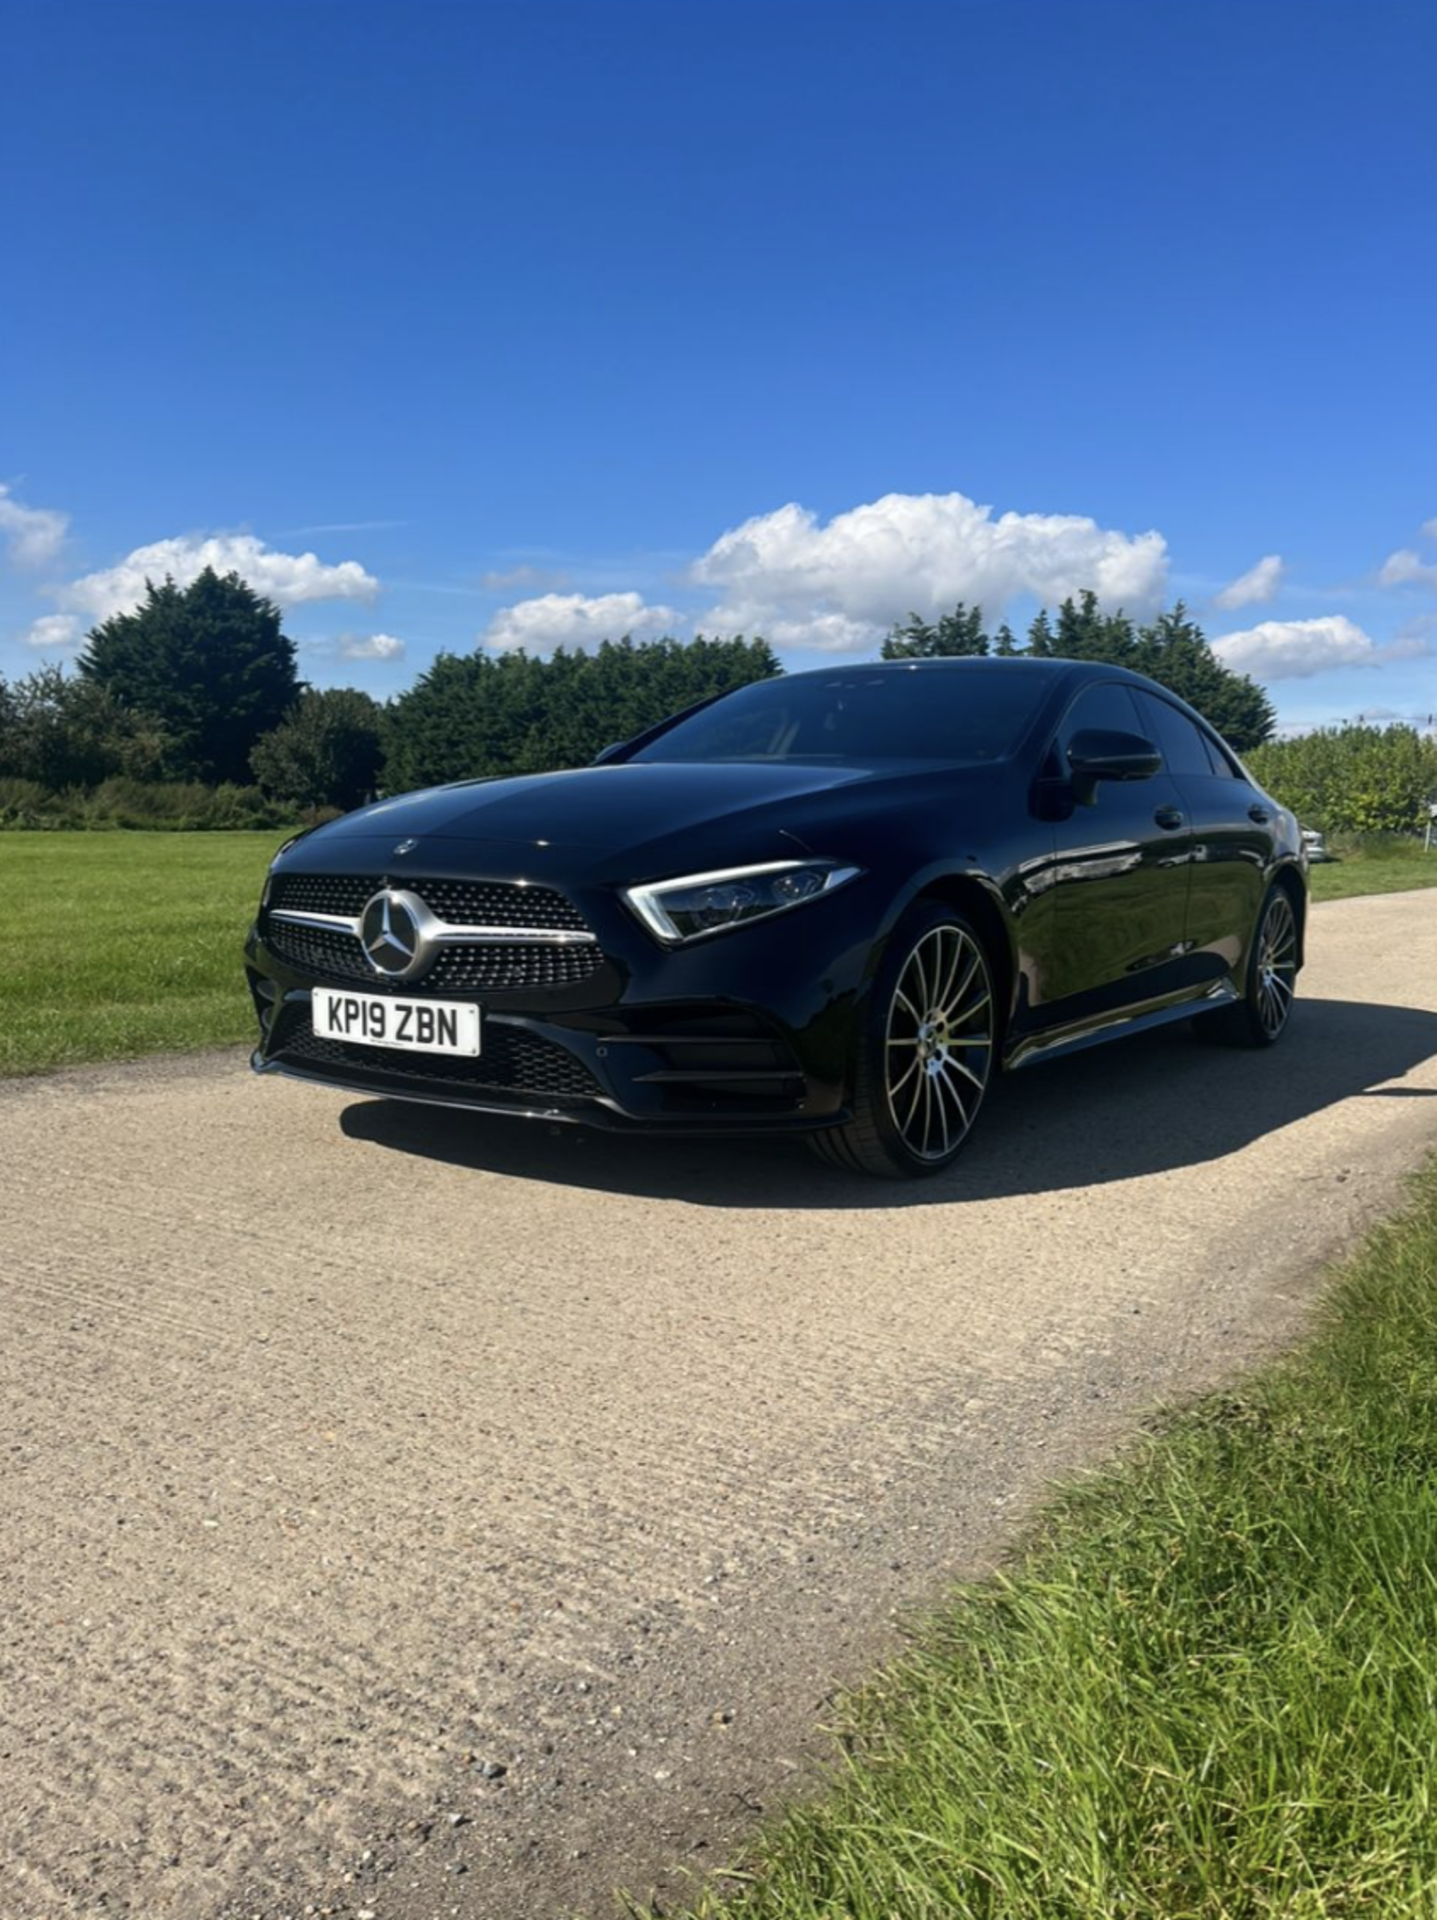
(926, 1053)
(1260, 1017)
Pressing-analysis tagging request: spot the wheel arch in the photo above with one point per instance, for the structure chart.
(861, 1142)
(977, 901)
(1288, 878)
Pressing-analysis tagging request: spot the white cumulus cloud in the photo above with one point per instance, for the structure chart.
(289, 579)
(1297, 649)
(53, 633)
(576, 620)
(33, 535)
(1404, 567)
(371, 646)
(1252, 588)
(840, 587)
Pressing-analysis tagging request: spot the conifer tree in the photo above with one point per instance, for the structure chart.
(208, 661)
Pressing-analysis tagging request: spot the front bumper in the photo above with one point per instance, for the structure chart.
(744, 1033)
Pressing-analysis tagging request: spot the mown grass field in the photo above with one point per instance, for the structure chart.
(1209, 1692)
(119, 944)
(1386, 865)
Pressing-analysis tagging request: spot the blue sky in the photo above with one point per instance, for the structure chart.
(489, 324)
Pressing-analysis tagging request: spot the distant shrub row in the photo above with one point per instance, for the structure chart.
(1352, 780)
(156, 806)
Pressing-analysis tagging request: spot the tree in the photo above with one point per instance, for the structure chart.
(1085, 632)
(483, 714)
(1172, 650)
(209, 661)
(952, 634)
(325, 752)
(65, 732)
(1040, 636)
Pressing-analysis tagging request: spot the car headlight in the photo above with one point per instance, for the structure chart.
(697, 904)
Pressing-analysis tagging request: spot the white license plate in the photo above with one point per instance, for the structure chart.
(412, 1026)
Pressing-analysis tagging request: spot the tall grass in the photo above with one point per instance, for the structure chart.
(1208, 1693)
(140, 806)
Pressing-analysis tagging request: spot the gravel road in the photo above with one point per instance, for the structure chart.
(408, 1515)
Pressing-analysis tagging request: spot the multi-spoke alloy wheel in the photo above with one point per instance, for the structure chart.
(1261, 1016)
(927, 1053)
(1275, 979)
(939, 1044)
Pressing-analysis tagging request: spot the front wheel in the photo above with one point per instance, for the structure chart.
(926, 1051)
(1260, 1017)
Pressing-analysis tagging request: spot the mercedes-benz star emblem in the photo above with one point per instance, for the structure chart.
(389, 932)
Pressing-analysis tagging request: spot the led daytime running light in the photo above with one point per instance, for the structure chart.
(693, 906)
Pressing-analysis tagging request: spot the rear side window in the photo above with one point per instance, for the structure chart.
(1223, 763)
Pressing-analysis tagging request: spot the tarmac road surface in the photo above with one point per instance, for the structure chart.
(410, 1515)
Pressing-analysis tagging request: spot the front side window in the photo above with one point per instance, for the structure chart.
(1108, 708)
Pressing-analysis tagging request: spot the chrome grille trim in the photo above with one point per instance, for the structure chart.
(337, 922)
(444, 932)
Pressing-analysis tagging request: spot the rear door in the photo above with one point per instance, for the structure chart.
(1231, 837)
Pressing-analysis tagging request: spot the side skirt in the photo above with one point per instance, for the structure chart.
(1057, 1045)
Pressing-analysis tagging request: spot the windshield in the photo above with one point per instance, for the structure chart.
(860, 714)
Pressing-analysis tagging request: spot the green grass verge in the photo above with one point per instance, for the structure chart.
(120, 944)
(1382, 863)
(1208, 1692)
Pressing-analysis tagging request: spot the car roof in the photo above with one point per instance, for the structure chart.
(1050, 666)
(1059, 671)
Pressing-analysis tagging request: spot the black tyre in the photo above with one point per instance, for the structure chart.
(926, 1053)
(1260, 1018)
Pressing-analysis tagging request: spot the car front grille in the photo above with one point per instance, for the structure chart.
(462, 967)
(513, 1062)
(508, 966)
(466, 903)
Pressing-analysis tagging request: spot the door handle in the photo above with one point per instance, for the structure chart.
(1259, 814)
(1169, 819)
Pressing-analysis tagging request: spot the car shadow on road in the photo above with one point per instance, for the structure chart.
(1107, 1114)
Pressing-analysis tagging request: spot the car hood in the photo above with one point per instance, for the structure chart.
(631, 821)
(594, 807)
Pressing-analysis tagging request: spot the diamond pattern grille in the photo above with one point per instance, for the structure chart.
(324, 953)
(473, 903)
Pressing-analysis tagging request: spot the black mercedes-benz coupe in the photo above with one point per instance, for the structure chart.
(832, 903)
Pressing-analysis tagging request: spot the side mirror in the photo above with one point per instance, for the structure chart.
(1099, 754)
